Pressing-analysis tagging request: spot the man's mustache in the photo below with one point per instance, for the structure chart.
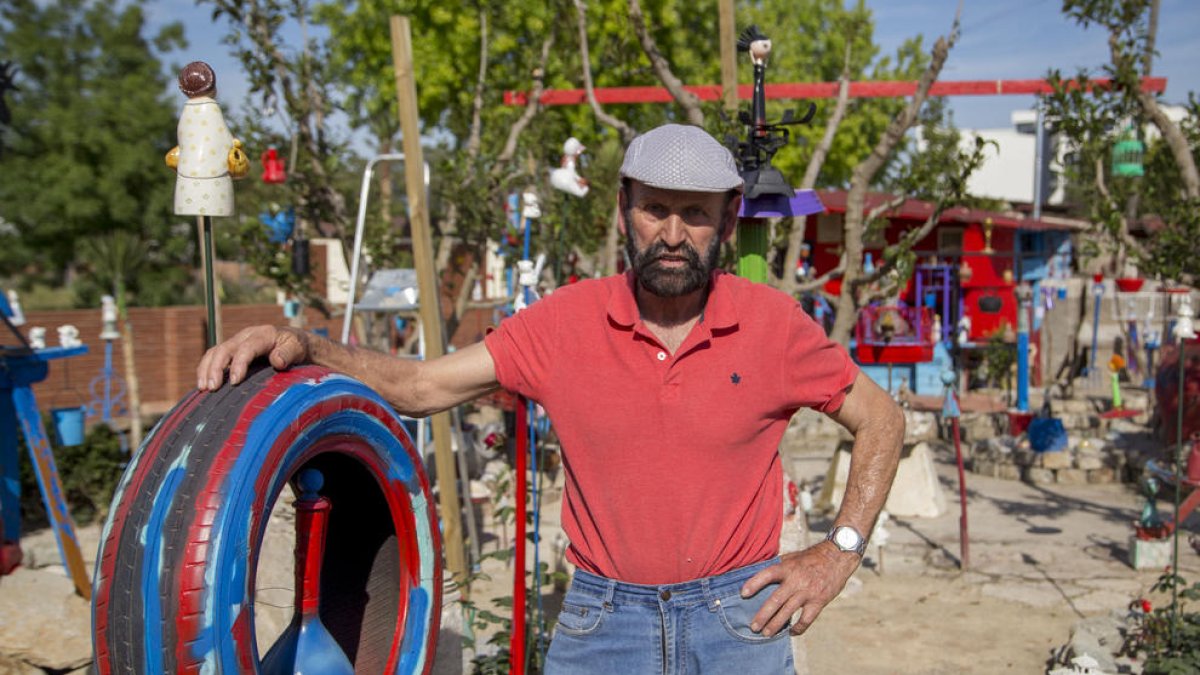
(659, 251)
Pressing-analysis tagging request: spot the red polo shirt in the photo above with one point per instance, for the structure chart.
(671, 465)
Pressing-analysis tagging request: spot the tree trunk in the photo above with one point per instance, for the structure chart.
(799, 223)
(848, 301)
(131, 376)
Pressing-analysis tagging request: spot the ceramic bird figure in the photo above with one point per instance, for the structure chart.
(565, 177)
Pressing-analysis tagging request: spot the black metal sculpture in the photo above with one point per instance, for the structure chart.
(763, 139)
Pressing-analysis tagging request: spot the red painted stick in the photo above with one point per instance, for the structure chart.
(516, 645)
(964, 541)
(796, 90)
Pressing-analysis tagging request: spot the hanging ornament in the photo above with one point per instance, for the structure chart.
(272, 167)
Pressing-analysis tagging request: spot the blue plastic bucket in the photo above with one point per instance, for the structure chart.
(68, 423)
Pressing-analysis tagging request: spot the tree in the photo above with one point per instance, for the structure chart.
(90, 122)
(1094, 120)
(897, 257)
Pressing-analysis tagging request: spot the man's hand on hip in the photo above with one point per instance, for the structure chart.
(808, 580)
(283, 347)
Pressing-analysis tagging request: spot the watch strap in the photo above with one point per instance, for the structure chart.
(860, 549)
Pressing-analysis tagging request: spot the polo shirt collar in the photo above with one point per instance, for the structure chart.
(719, 312)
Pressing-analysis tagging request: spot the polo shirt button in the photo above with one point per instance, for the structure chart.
(662, 356)
(665, 595)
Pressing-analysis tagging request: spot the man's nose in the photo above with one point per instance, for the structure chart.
(673, 231)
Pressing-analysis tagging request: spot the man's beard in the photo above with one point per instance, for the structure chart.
(675, 281)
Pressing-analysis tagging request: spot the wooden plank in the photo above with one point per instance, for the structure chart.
(728, 38)
(430, 311)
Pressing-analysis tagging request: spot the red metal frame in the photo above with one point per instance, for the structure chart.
(793, 90)
(912, 344)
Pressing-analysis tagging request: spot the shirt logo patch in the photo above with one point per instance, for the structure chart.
(735, 378)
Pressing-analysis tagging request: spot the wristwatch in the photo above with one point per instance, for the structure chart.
(847, 538)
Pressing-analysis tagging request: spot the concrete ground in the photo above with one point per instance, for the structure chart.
(1041, 559)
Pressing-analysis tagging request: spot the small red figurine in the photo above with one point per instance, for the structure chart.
(272, 167)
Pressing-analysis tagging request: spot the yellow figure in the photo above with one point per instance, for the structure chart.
(1116, 364)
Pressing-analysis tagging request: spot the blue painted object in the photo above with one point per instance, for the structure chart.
(19, 370)
(279, 225)
(804, 203)
(68, 425)
(1046, 434)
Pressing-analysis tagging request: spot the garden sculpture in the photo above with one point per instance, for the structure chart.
(208, 157)
(206, 161)
(566, 178)
(1150, 518)
(176, 577)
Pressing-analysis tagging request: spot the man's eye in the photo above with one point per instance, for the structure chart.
(694, 213)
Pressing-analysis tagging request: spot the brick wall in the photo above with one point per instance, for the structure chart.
(168, 344)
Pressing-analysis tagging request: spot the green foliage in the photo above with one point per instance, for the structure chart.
(1000, 357)
(89, 473)
(1095, 121)
(1168, 650)
(810, 38)
(83, 156)
(294, 88)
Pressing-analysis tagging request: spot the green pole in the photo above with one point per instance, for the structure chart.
(753, 240)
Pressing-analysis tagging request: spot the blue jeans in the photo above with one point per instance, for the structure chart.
(700, 626)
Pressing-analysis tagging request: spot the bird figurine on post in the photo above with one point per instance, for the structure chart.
(565, 178)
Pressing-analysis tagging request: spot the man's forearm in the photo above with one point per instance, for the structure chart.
(395, 379)
(873, 462)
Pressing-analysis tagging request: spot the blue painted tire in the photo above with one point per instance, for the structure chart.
(174, 584)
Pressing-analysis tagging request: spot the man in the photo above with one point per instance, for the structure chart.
(670, 388)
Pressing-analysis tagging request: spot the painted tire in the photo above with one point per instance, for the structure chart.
(175, 576)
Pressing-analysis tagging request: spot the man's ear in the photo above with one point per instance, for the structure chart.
(729, 222)
(622, 207)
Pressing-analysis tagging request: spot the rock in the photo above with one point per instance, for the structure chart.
(1097, 637)
(920, 426)
(916, 491)
(1072, 477)
(1089, 462)
(1102, 475)
(1057, 459)
(1024, 456)
(1008, 471)
(984, 467)
(33, 601)
(10, 666)
(1039, 476)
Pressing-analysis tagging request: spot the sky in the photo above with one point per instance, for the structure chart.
(1013, 39)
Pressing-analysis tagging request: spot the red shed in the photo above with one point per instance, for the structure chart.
(990, 252)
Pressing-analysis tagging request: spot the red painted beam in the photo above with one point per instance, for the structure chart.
(795, 90)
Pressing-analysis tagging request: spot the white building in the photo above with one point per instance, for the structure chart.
(1008, 170)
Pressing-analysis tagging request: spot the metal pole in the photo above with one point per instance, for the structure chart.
(206, 260)
(516, 646)
(1024, 298)
(963, 539)
(1178, 488)
(358, 234)
(1098, 293)
(1038, 161)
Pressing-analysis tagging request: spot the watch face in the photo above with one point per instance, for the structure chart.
(846, 538)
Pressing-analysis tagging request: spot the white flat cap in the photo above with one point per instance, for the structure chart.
(681, 157)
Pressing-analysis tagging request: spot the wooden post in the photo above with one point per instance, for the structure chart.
(430, 311)
(728, 38)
